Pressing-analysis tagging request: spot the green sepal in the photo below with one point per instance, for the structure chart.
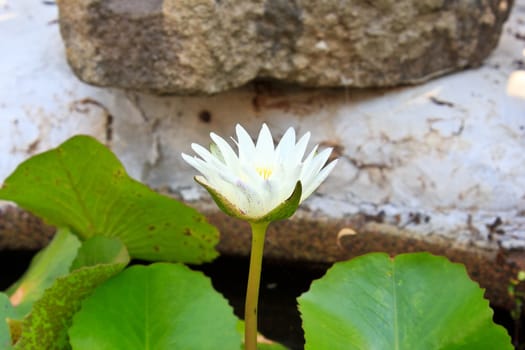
(8, 334)
(286, 208)
(282, 211)
(224, 204)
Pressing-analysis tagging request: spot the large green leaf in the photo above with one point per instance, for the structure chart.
(415, 301)
(51, 262)
(161, 306)
(6, 311)
(98, 259)
(83, 186)
(47, 324)
(100, 250)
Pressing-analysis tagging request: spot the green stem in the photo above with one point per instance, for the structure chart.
(254, 278)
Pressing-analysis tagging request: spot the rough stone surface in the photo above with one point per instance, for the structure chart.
(208, 46)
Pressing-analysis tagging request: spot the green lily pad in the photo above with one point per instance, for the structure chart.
(47, 324)
(51, 262)
(6, 311)
(100, 250)
(82, 185)
(161, 306)
(415, 301)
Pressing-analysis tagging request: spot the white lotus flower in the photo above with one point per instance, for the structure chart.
(261, 182)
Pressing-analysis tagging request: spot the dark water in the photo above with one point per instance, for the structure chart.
(281, 284)
(12, 265)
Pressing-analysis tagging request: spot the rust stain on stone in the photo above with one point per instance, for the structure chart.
(82, 106)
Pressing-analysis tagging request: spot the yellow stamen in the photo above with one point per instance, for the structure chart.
(264, 172)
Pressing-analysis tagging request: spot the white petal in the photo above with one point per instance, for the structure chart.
(264, 146)
(244, 144)
(286, 179)
(197, 163)
(310, 157)
(188, 159)
(300, 148)
(249, 174)
(207, 156)
(228, 190)
(230, 158)
(285, 147)
(261, 176)
(311, 169)
(249, 199)
(203, 152)
(312, 186)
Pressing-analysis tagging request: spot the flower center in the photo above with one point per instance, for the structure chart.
(264, 172)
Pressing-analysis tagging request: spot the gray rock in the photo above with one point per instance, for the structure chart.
(208, 46)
